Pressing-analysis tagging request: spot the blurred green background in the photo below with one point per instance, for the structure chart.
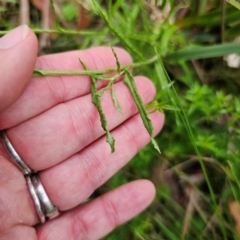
(197, 173)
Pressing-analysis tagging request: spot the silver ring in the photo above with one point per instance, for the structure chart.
(45, 209)
(36, 200)
(49, 209)
(14, 155)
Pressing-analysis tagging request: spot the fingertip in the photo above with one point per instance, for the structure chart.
(17, 61)
(140, 195)
(32, 40)
(147, 189)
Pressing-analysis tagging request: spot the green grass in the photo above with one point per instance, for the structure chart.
(199, 94)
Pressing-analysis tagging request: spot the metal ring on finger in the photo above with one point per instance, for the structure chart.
(45, 209)
(36, 200)
(14, 155)
(49, 209)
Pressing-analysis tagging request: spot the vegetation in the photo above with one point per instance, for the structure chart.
(189, 50)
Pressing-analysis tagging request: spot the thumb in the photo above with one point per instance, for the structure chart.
(18, 54)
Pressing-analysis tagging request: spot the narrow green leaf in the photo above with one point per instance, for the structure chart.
(169, 107)
(115, 7)
(205, 52)
(166, 38)
(55, 15)
(117, 61)
(235, 3)
(129, 81)
(97, 102)
(153, 110)
(166, 231)
(151, 105)
(110, 139)
(193, 141)
(83, 64)
(105, 89)
(115, 101)
(155, 145)
(104, 16)
(232, 15)
(169, 85)
(160, 106)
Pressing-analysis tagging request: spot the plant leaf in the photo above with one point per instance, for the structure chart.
(117, 61)
(129, 81)
(115, 7)
(105, 18)
(115, 101)
(169, 85)
(235, 3)
(155, 145)
(105, 89)
(97, 102)
(202, 52)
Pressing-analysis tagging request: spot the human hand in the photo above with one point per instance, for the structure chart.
(55, 128)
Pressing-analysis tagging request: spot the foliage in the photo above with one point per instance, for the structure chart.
(182, 46)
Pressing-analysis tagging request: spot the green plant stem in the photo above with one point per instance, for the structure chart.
(62, 31)
(122, 38)
(55, 15)
(192, 138)
(223, 17)
(40, 72)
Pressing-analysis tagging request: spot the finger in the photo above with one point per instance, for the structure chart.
(84, 172)
(64, 130)
(95, 219)
(18, 53)
(77, 177)
(19, 232)
(46, 92)
(16, 204)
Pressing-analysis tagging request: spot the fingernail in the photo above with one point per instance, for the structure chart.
(14, 37)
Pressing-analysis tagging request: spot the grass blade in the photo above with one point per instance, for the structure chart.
(192, 138)
(205, 52)
(115, 7)
(235, 3)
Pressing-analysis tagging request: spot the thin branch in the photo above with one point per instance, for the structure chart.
(40, 72)
(223, 17)
(62, 31)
